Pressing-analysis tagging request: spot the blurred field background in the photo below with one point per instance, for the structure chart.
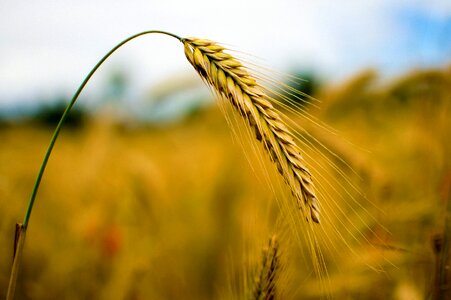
(138, 209)
(148, 193)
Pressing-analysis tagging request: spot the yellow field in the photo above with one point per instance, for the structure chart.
(176, 212)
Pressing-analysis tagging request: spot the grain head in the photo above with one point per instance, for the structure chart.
(265, 282)
(231, 80)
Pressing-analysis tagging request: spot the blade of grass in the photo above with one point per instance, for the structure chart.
(20, 236)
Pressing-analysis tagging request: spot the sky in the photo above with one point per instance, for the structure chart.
(48, 47)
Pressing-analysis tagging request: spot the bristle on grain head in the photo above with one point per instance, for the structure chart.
(231, 80)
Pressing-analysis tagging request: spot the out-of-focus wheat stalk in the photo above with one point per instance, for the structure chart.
(231, 80)
(265, 282)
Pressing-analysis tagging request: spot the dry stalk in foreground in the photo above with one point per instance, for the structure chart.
(232, 81)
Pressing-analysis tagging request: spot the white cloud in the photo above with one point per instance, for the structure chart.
(51, 45)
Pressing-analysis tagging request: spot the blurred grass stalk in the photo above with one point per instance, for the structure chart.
(265, 283)
(22, 228)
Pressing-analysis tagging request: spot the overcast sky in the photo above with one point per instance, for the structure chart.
(47, 47)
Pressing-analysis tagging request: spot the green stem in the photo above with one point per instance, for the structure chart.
(20, 234)
(66, 112)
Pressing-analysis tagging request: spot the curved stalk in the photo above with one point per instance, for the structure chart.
(66, 112)
(20, 234)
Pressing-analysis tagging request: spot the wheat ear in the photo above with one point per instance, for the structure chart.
(232, 81)
(265, 282)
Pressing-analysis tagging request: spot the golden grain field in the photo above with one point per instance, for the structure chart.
(177, 211)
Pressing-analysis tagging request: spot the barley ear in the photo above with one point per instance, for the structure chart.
(232, 81)
(265, 282)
